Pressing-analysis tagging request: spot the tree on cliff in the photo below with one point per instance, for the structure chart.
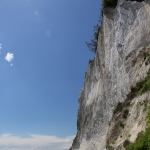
(92, 45)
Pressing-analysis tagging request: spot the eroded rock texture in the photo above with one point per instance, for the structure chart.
(108, 80)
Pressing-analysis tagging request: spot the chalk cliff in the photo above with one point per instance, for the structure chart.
(119, 64)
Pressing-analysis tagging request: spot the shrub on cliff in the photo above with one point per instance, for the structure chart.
(126, 143)
(119, 107)
(125, 113)
(110, 3)
(146, 85)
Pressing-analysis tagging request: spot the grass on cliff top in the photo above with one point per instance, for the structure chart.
(143, 140)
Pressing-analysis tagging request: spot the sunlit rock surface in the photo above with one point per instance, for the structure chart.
(124, 33)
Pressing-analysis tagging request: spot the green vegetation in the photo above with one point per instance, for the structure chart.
(141, 103)
(146, 85)
(148, 59)
(143, 140)
(113, 142)
(108, 146)
(148, 116)
(125, 113)
(119, 107)
(146, 56)
(129, 135)
(121, 125)
(126, 143)
(92, 45)
(135, 90)
(110, 3)
(141, 87)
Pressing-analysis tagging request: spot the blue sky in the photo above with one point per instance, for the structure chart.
(43, 59)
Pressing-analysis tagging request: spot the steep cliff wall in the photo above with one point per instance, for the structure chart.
(124, 33)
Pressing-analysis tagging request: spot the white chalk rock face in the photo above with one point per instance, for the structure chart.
(124, 32)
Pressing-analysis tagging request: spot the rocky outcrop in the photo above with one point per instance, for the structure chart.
(124, 33)
(129, 117)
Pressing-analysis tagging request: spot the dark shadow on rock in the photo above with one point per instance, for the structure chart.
(136, 0)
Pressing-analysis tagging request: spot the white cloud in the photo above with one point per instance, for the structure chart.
(0, 46)
(9, 57)
(34, 142)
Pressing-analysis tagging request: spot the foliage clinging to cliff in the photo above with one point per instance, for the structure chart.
(143, 140)
(110, 3)
(92, 45)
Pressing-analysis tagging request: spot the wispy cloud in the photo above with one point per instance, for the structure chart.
(0, 46)
(34, 142)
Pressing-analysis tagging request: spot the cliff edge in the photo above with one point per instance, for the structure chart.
(121, 61)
